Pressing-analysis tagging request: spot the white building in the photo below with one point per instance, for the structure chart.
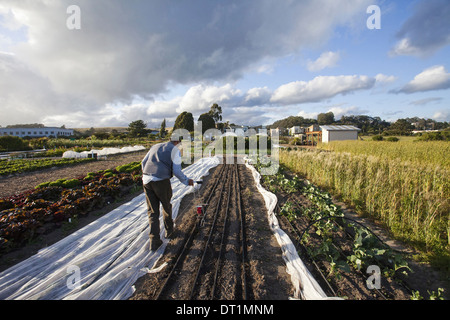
(296, 130)
(36, 132)
(279, 131)
(334, 133)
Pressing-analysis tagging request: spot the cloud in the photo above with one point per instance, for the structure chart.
(381, 78)
(427, 31)
(25, 94)
(425, 101)
(326, 60)
(125, 52)
(342, 111)
(307, 115)
(433, 78)
(442, 115)
(320, 88)
(258, 96)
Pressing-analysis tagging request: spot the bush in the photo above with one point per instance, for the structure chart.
(435, 136)
(377, 138)
(10, 143)
(392, 139)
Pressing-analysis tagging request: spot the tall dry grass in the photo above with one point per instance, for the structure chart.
(435, 153)
(411, 198)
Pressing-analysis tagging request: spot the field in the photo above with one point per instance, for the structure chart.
(337, 253)
(403, 184)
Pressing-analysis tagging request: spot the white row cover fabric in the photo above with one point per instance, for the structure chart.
(102, 152)
(101, 261)
(306, 287)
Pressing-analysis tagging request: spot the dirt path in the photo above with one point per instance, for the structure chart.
(265, 268)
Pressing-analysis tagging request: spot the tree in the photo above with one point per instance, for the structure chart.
(216, 112)
(137, 128)
(207, 122)
(292, 121)
(400, 127)
(184, 120)
(162, 130)
(325, 118)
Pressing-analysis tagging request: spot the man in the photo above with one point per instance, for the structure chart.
(159, 165)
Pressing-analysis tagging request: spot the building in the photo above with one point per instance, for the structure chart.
(279, 131)
(334, 133)
(36, 132)
(296, 130)
(316, 133)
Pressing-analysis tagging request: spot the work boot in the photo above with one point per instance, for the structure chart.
(155, 244)
(169, 234)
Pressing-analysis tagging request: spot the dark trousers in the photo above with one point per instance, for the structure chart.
(159, 192)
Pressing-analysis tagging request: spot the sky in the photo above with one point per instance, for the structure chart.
(106, 63)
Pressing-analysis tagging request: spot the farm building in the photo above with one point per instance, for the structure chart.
(316, 133)
(334, 133)
(36, 132)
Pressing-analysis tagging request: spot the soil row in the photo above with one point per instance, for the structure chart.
(264, 268)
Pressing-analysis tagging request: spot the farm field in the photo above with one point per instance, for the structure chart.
(404, 185)
(264, 266)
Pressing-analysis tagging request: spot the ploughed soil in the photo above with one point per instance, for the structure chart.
(266, 269)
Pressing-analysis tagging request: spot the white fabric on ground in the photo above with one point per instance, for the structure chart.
(102, 152)
(109, 254)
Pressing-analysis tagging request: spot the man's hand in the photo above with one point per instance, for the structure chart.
(191, 182)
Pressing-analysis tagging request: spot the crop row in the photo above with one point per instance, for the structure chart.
(50, 205)
(327, 220)
(21, 165)
(340, 247)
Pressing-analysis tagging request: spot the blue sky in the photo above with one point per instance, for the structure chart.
(261, 60)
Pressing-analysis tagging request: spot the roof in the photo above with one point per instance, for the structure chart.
(340, 128)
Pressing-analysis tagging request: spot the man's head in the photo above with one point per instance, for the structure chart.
(175, 139)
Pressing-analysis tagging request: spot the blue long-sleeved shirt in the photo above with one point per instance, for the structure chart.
(176, 168)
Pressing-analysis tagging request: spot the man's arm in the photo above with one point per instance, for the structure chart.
(176, 168)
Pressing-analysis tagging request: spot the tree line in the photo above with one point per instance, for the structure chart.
(369, 125)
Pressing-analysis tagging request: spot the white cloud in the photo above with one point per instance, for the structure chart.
(326, 60)
(339, 111)
(258, 96)
(381, 78)
(404, 47)
(128, 51)
(433, 78)
(308, 115)
(442, 115)
(320, 88)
